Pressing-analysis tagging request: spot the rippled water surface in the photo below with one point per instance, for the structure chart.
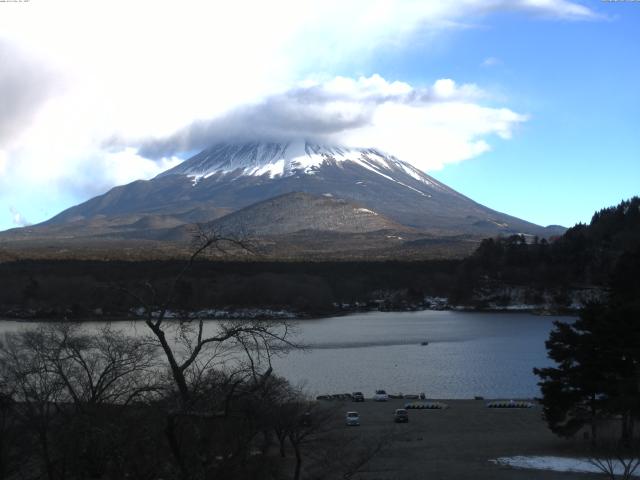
(487, 354)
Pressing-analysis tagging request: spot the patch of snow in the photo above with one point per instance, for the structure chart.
(556, 464)
(232, 314)
(376, 165)
(307, 163)
(418, 175)
(517, 307)
(501, 225)
(327, 195)
(366, 210)
(437, 303)
(273, 169)
(372, 167)
(412, 172)
(411, 188)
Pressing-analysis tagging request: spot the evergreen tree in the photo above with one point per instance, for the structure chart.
(574, 392)
(598, 361)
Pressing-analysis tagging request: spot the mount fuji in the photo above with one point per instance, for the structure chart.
(297, 189)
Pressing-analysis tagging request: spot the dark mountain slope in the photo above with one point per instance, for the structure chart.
(294, 212)
(228, 177)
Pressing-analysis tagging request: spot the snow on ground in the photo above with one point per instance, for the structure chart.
(556, 464)
(273, 169)
(365, 210)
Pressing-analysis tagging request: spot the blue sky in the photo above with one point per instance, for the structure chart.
(579, 82)
(580, 151)
(531, 105)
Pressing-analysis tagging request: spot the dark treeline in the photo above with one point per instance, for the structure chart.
(77, 288)
(585, 255)
(546, 270)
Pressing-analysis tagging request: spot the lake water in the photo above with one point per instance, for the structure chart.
(469, 354)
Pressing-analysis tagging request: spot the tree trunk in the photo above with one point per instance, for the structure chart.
(44, 443)
(626, 429)
(594, 421)
(174, 445)
(267, 442)
(2, 447)
(178, 374)
(296, 449)
(281, 440)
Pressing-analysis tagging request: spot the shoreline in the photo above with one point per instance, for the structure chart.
(30, 315)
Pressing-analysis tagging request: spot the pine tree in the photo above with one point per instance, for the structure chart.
(574, 392)
(598, 361)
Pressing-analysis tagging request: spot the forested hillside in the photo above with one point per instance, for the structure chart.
(585, 256)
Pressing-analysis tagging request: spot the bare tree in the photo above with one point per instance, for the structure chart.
(308, 422)
(194, 349)
(617, 460)
(198, 406)
(210, 364)
(6, 408)
(103, 367)
(295, 420)
(64, 381)
(26, 374)
(314, 433)
(340, 455)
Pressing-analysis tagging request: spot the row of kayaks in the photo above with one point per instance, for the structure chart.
(335, 396)
(420, 405)
(425, 406)
(509, 404)
(349, 396)
(496, 404)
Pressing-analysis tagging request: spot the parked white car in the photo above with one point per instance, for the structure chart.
(380, 396)
(353, 419)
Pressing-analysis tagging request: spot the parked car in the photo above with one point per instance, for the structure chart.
(357, 397)
(401, 416)
(380, 396)
(353, 419)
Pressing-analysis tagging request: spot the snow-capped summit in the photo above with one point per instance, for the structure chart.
(284, 159)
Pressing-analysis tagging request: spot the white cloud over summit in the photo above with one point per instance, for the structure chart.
(78, 75)
(428, 126)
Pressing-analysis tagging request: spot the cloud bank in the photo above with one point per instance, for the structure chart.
(25, 84)
(429, 126)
